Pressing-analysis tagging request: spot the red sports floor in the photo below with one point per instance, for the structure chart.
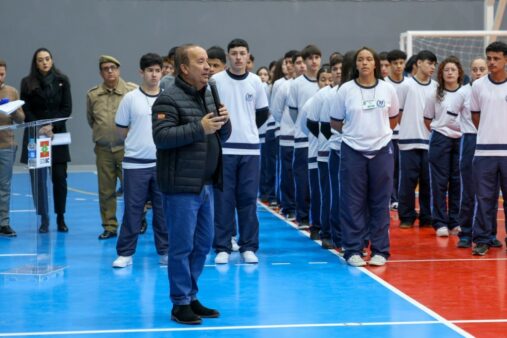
(467, 290)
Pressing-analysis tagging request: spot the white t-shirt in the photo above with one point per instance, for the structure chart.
(335, 141)
(413, 96)
(300, 91)
(441, 113)
(312, 109)
(489, 99)
(244, 96)
(134, 113)
(397, 86)
(365, 112)
(462, 107)
(280, 111)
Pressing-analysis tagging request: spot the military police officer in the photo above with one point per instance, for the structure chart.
(101, 105)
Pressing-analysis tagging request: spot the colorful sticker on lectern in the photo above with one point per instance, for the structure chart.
(43, 152)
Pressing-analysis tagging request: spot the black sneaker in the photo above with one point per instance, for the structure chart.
(480, 249)
(183, 314)
(202, 311)
(6, 231)
(464, 243)
(327, 243)
(495, 243)
(314, 234)
(304, 224)
(406, 225)
(107, 234)
(425, 223)
(291, 216)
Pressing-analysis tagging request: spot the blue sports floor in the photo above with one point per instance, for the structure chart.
(297, 289)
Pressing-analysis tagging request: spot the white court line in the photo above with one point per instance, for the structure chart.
(21, 210)
(280, 263)
(84, 192)
(389, 286)
(17, 255)
(317, 263)
(245, 327)
(445, 260)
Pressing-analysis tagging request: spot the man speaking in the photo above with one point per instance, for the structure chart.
(187, 132)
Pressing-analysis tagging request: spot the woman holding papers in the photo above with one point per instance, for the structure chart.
(46, 92)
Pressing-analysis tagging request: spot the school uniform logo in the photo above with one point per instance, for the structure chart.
(249, 97)
(381, 103)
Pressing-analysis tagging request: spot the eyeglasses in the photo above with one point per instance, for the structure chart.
(109, 68)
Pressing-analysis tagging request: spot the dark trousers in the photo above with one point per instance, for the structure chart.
(466, 216)
(467, 205)
(334, 181)
(325, 200)
(269, 154)
(140, 186)
(287, 189)
(489, 172)
(239, 196)
(414, 168)
(315, 196)
(396, 153)
(38, 180)
(300, 169)
(189, 219)
(365, 192)
(443, 158)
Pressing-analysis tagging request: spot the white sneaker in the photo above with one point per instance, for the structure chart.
(455, 231)
(356, 260)
(122, 262)
(163, 259)
(222, 258)
(377, 260)
(249, 257)
(234, 244)
(442, 232)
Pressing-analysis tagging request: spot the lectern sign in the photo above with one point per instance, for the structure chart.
(39, 153)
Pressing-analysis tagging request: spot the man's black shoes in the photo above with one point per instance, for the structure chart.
(107, 234)
(183, 314)
(203, 311)
(6, 231)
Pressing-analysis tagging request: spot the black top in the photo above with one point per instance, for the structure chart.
(50, 98)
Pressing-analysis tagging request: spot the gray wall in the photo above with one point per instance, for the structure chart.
(78, 31)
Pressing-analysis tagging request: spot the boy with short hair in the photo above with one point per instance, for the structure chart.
(303, 87)
(488, 105)
(246, 98)
(396, 60)
(216, 59)
(133, 123)
(414, 142)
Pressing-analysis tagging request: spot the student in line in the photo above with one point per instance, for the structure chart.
(414, 141)
(443, 154)
(489, 114)
(310, 126)
(365, 112)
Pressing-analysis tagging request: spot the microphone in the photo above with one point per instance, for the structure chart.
(214, 92)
